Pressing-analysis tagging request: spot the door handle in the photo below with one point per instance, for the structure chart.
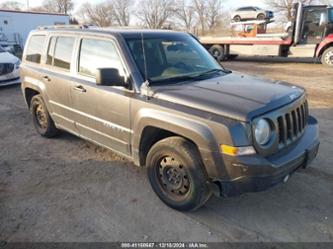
(46, 78)
(80, 88)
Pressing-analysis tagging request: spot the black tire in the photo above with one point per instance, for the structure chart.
(232, 56)
(327, 57)
(177, 175)
(41, 118)
(218, 52)
(237, 19)
(261, 17)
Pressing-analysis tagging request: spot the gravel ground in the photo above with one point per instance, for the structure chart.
(69, 190)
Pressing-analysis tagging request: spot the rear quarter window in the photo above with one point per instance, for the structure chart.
(35, 48)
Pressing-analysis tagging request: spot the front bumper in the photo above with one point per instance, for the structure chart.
(10, 79)
(255, 173)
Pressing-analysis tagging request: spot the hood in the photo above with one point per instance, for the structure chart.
(6, 57)
(234, 95)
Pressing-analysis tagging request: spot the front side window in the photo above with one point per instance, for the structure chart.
(35, 48)
(312, 31)
(96, 54)
(169, 58)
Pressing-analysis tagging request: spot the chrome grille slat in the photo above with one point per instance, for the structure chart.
(299, 120)
(295, 122)
(303, 116)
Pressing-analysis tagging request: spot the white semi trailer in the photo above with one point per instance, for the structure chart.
(15, 26)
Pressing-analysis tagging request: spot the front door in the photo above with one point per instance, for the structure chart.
(102, 113)
(312, 32)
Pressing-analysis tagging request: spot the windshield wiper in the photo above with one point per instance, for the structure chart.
(216, 70)
(188, 77)
(177, 79)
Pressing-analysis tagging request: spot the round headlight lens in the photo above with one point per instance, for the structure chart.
(262, 132)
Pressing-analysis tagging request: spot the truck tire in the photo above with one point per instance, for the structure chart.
(176, 174)
(237, 19)
(218, 52)
(327, 57)
(41, 118)
(261, 17)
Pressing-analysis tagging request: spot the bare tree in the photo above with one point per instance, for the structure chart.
(285, 7)
(214, 8)
(99, 14)
(200, 7)
(59, 6)
(208, 13)
(186, 14)
(11, 5)
(155, 13)
(121, 11)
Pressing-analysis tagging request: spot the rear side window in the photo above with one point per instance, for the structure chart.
(35, 48)
(96, 54)
(60, 51)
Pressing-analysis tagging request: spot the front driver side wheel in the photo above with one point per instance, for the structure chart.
(176, 174)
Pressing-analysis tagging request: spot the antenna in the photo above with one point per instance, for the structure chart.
(144, 57)
(146, 83)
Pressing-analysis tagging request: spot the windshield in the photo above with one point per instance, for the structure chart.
(173, 59)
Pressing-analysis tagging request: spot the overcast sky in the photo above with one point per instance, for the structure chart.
(229, 3)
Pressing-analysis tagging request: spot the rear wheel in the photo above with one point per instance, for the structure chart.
(176, 174)
(237, 19)
(218, 52)
(327, 57)
(41, 118)
(261, 17)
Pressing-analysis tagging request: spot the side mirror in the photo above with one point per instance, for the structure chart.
(109, 77)
(323, 20)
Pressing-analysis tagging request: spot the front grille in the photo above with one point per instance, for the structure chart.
(6, 68)
(291, 125)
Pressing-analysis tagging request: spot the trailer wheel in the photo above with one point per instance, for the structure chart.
(327, 57)
(218, 52)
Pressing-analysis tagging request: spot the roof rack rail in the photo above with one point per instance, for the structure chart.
(64, 27)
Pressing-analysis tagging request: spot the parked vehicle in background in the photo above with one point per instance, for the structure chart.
(310, 35)
(9, 68)
(161, 100)
(251, 13)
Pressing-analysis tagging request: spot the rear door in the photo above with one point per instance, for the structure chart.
(57, 79)
(102, 113)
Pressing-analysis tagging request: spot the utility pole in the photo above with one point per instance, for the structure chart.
(28, 6)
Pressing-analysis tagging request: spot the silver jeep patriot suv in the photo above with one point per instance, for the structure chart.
(159, 99)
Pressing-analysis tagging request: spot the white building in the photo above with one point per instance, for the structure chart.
(16, 25)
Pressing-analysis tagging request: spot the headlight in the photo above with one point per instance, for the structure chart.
(262, 132)
(17, 64)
